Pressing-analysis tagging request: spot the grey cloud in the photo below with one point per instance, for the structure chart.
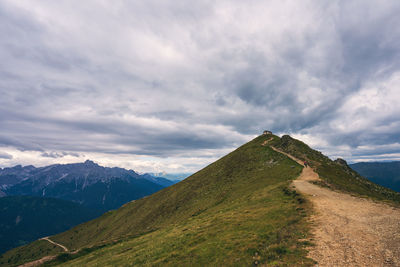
(4, 155)
(169, 79)
(53, 154)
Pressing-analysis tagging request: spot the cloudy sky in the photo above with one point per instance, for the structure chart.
(173, 85)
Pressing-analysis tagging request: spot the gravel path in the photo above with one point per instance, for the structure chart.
(350, 231)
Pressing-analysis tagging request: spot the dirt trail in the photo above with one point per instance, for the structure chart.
(38, 262)
(46, 258)
(266, 142)
(350, 231)
(57, 244)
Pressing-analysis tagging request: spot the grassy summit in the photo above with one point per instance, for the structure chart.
(237, 211)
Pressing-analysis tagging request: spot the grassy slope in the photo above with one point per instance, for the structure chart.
(336, 175)
(32, 251)
(236, 211)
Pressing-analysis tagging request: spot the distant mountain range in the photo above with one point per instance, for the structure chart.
(383, 173)
(174, 177)
(163, 181)
(12, 176)
(89, 184)
(36, 202)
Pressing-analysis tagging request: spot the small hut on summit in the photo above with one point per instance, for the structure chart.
(267, 132)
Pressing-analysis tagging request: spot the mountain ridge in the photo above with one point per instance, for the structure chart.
(336, 174)
(243, 198)
(87, 183)
(239, 210)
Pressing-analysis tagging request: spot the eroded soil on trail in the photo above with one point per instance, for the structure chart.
(350, 231)
(38, 262)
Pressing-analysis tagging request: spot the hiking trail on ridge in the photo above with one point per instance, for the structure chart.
(348, 230)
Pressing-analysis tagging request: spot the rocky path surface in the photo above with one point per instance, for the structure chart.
(349, 231)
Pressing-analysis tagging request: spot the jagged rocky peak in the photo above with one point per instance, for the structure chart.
(90, 162)
(30, 167)
(16, 167)
(285, 140)
(341, 161)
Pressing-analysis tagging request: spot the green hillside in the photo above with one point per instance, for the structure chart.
(237, 211)
(336, 174)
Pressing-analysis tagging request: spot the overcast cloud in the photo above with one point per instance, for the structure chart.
(173, 85)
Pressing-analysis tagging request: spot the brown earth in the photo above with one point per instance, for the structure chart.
(38, 262)
(347, 230)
